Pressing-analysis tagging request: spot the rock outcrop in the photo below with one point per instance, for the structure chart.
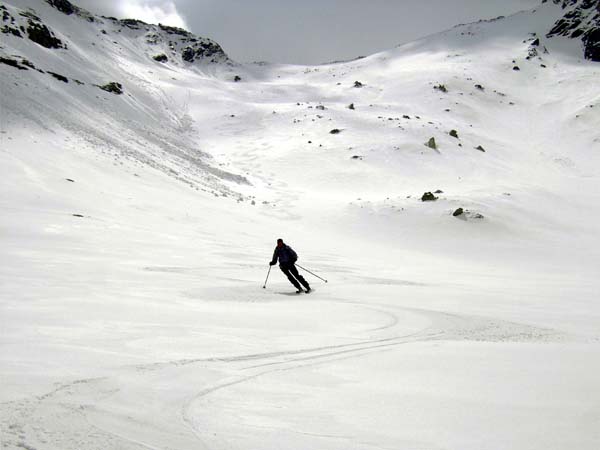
(63, 6)
(41, 34)
(580, 21)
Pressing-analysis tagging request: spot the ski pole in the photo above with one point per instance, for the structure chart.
(314, 274)
(268, 273)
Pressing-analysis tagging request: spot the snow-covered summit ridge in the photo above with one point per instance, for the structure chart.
(163, 43)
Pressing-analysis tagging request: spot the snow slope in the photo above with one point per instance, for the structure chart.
(136, 230)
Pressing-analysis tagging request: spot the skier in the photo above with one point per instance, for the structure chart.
(287, 257)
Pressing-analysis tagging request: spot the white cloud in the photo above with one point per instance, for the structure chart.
(152, 11)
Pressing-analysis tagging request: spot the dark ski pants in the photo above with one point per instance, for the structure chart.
(292, 273)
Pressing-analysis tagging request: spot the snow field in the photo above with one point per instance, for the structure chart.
(143, 323)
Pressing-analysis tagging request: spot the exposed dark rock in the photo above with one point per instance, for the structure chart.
(458, 212)
(237, 78)
(441, 88)
(12, 62)
(592, 45)
(536, 42)
(351, 106)
(160, 58)
(406, 117)
(357, 157)
(431, 143)
(453, 133)
(480, 148)
(580, 21)
(78, 215)
(154, 38)
(516, 68)
(577, 33)
(70, 179)
(40, 34)
(29, 15)
(60, 77)
(358, 84)
(27, 63)
(11, 30)
(532, 53)
(63, 6)
(335, 131)
(6, 15)
(439, 191)
(204, 49)
(320, 107)
(134, 24)
(428, 197)
(174, 30)
(112, 87)
(480, 87)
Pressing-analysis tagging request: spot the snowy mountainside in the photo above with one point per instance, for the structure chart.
(143, 185)
(82, 62)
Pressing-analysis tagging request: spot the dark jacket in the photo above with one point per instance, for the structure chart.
(285, 254)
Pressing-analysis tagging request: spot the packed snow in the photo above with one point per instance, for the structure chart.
(136, 231)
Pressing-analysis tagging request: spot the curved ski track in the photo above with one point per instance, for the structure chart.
(58, 429)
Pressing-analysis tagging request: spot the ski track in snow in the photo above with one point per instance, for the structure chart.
(28, 420)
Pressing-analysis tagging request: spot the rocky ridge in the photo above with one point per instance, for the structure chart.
(171, 43)
(580, 21)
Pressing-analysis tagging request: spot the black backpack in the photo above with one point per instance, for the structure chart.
(293, 254)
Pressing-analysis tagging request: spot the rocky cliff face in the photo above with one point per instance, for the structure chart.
(580, 21)
(182, 44)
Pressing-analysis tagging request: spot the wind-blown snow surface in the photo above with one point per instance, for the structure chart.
(143, 323)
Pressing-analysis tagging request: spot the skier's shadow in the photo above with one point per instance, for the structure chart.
(292, 294)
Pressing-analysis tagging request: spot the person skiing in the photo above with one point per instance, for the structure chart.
(287, 259)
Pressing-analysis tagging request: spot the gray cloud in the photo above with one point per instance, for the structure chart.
(309, 31)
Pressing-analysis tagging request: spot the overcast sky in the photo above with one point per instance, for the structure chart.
(307, 31)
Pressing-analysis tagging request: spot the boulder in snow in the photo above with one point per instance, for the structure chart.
(428, 197)
(41, 34)
(113, 87)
